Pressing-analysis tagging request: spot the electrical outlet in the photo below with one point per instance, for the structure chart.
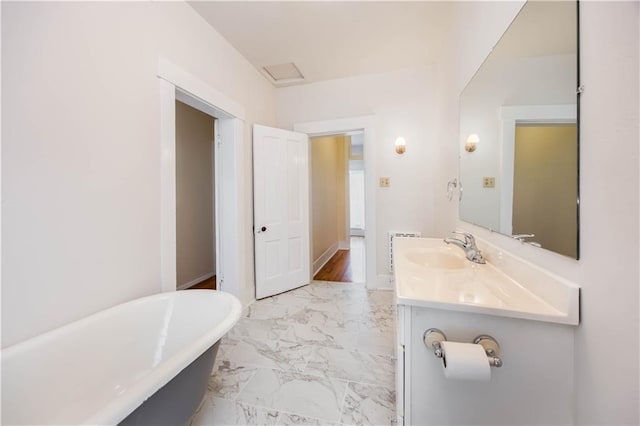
(385, 182)
(488, 182)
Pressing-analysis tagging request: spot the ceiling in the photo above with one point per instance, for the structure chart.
(328, 40)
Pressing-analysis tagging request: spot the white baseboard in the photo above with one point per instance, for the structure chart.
(324, 257)
(196, 281)
(344, 245)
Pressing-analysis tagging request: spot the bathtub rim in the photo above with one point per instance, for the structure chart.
(122, 405)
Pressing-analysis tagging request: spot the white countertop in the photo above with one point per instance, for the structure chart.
(431, 274)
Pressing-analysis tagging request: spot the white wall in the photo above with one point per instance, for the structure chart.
(606, 342)
(474, 29)
(81, 150)
(401, 103)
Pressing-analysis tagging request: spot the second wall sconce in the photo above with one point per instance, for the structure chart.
(472, 142)
(401, 145)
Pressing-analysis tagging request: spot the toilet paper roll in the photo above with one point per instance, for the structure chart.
(465, 361)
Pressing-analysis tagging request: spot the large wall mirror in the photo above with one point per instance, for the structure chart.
(519, 132)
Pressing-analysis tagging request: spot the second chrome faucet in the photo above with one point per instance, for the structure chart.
(471, 251)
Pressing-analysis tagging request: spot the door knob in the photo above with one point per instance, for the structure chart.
(264, 228)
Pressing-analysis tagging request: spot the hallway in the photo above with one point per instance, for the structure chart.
(345, 265)
(320, 354)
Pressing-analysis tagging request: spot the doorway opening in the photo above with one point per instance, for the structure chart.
(337, 207)
(195, 199)
(344, 126)
(176, 83)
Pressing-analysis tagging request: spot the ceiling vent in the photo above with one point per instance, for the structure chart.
(283, 73)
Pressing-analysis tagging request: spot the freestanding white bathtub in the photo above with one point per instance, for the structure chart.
(100, 369)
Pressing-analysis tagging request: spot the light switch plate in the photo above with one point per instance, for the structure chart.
(488, 182)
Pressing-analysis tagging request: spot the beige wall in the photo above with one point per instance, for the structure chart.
(328, 192)
(195, 233)
(545, 186)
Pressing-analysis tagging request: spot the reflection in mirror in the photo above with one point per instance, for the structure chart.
(521, 174)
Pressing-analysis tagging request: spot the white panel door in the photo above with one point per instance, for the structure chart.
(281, 210)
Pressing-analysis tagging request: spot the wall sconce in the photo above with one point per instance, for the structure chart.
(401, 145)
(471, 143)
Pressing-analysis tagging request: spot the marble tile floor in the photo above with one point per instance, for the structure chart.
(322, 354)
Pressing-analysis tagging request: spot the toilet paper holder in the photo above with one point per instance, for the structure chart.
(433, 336)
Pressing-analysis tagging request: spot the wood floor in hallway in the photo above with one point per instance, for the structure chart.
(209, 284)
(345, 265)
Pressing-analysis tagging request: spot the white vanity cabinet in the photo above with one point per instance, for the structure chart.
(534, 326)
(533, 387)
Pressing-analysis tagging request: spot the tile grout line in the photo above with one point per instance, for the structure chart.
(291, 413)
(263, 407)
(344, 398)
(245, 385)
(365, 307)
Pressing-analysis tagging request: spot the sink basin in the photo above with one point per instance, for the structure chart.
(435, 258)
(430, 274)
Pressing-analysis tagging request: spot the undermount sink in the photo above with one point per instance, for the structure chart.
(438, 258)
(431, 274)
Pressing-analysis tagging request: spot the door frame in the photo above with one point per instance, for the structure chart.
(177, 84)
(341, 126)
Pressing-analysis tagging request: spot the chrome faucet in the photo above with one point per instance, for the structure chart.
(471, 251)
(522, 237)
